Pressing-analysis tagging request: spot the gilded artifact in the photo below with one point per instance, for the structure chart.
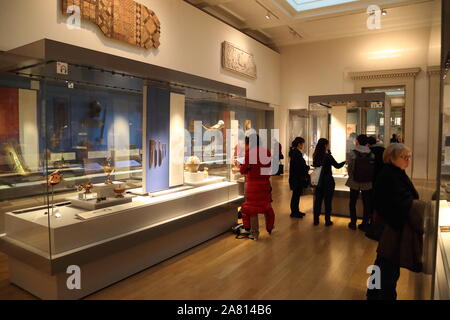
(87, 187)
(247, 125)
(14, 158)
(192, 164)
(123, 20)
(218, 126)
(54, 178)
(119, 192)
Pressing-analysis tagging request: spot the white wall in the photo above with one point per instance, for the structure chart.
(190, 41)
(322, 68)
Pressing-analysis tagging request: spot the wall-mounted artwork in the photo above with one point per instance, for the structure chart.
(237, 60)
(123, 20)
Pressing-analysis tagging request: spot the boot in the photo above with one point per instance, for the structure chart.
(328, 221)
(316, 220)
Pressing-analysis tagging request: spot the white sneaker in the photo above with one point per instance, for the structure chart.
(243, 231)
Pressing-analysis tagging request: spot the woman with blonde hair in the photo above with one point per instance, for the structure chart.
(393, 196)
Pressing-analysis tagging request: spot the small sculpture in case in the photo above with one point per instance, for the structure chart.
(87, 187)
(54, 178)
(119, 192)
(109, 169)
(192, 164)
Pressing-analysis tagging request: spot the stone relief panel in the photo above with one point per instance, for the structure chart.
(237, 60)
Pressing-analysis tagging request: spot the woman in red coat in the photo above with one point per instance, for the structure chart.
(258, 193)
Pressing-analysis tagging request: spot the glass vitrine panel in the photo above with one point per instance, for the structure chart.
(298, 126)
(319, 119)
(397, 99)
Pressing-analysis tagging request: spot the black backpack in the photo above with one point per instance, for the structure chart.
(364, 168)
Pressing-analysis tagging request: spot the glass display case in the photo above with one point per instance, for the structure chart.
(223, 122)
(298, 125)
(96, 163)
(319, 120)
(396, 97)
(442, 283)
(341, 118)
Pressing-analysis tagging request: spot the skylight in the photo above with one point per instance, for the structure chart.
(303, 5)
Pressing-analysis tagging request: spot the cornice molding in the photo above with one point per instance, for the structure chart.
(385, 74)
(434, 70)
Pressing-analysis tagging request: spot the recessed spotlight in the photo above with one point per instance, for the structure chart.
(384, 12)
(268, 15)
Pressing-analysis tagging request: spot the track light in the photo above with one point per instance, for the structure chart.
(269, 13)
(374, 12)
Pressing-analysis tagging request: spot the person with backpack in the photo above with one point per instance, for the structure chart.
(361, 168)
(298, 175)
(324, 191)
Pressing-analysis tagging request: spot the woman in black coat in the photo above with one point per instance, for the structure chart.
(393, 197)
(325, 189)
(298, 175)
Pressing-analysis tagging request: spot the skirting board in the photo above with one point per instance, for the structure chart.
(169, 240)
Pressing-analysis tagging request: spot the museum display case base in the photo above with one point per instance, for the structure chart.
(341, 199)
(153, 232)
(94, 205)
(442, 282)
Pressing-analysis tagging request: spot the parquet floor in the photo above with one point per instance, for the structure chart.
(298, 261)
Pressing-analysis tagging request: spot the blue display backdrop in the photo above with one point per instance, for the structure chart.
(157, 141)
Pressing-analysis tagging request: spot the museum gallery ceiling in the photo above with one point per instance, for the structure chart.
(276, 23)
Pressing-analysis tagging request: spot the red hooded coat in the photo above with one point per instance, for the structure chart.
(258, 193)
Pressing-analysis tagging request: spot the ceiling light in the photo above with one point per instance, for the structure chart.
(270, 13)
(384, 12)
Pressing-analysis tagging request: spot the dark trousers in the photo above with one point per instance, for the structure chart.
(390, 273)
(295, 200)
(324, 193)
(367, 203)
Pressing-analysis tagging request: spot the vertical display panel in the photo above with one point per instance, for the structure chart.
(157, 140)
(177, 111)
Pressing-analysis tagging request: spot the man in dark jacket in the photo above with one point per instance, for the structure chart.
(298, 175)
(377, 150)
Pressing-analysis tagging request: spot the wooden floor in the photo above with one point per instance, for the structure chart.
(298, 261)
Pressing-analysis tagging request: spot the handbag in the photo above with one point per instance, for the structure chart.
(315, 176)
